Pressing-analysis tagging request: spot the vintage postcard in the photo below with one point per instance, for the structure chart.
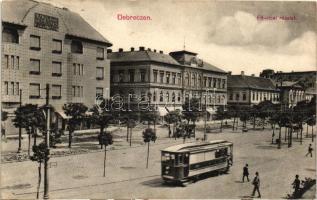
(149, 99)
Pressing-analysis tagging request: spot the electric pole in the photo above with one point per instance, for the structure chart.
(47, 137)
(20, 129)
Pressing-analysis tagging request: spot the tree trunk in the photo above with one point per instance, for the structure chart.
(273, 134)
(279, 138)
(253, 122)
(237, 124)
(306, 130)
(221, 125)
(127, 132)
(285, 134)
(70, 136)
(39, 180)
(169, 130)
(104, 162)
(148, 154)
(301, 135)
(101, 135)
(29, 144)
(234, 121)
(34, 136)
(130, 137)
(312, 133)
(194, 122)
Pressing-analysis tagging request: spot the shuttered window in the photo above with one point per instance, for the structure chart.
(34, 90)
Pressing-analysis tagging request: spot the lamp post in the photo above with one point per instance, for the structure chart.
(20, 129)
(47, 137)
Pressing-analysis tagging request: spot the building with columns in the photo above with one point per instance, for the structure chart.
(43, 44)
(166, 79)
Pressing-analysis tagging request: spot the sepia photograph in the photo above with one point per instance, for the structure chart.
(158, 99)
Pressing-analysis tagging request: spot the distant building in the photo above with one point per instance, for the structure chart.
(43, 44)
(291, 93)
(304, 79)
(166, 79)
(246, 90)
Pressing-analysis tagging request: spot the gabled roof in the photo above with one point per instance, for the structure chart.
(243, 81)
(211, 67)
(16, 11)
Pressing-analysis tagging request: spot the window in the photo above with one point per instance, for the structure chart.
(161, 77)
(186, 79)
(231, 96)
(78, 69)
(244, 96)
(167, 97)
(257, 96)
(100, 53)
(142, 73)
(56, 91)
(224, 83)
(179, 97)
(174, 78)
(78, 91)
(253, 96)
(131, 75)
(57, 46)
(167, 77)
(99, 73)
(57, 68)
(205, 82)
(215, 83)
(12, 62)
(237, 96)
(173, 97)
(76, 47)
(10, 35)
(155, 76)
(6, 61)
(199, 81)
(34, 90)
(218, 83)
(12, 88)
(154, 96)
(179, 77)
(18, 62)
(35, 66)
(209, 82)
(35, 42)
(121, 76)
(194, 80)
(17, 88)
(99, 92)
(6, 88)
(161, 96)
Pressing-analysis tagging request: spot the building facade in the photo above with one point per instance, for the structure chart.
(246, 90)
(166, 80)
(43, 44)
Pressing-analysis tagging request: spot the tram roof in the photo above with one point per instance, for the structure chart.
(196, 146)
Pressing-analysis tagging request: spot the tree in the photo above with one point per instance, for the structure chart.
(300, 111)
(30, 117)
(221, 114)
(172, 117)
(263, 110)
(102, 118)
(40, 153)
(150, 116)
(130, 118)
(77, 113)
(244, 115)
(312, 122)
(4, 117)
(106, 140)
(191, 111)
(148, 136)
(233, 113)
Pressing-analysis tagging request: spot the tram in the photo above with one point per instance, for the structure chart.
(187, 161)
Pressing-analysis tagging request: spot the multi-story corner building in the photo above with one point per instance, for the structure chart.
(304, 79)
(166, 79)
(246, 90)
(43, 44)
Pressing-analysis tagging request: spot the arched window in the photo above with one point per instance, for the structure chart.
(193, 79)
(167, 97)
(154, 96)
(10, 35)
(161, 96)
(76, 47)
(199, 81)
(186, 79)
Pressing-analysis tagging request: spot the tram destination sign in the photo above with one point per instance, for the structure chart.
(45, 22)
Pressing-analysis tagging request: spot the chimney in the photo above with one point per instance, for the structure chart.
(154, 50)
(132, 48)
(242, 73)
(229, 72)
(149, 49)
(120, 50)
(109, 50)
(161, 52)
(141, 48)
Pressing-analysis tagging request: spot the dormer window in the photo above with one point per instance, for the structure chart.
(76, 47)
(10, 35)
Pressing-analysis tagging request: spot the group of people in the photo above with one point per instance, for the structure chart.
(255, 182)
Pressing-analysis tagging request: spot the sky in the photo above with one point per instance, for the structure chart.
(226, 34)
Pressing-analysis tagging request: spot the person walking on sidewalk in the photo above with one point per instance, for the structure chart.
(256, 183)
(245, 173)
(310, 151)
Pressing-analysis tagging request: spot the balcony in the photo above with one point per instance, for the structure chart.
(35, 72)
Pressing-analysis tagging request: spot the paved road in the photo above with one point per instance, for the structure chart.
(80, 176)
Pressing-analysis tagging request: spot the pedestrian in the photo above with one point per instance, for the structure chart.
(3, 131)
(310, 151)
(245, 172)
(256, 183)
(296, 185)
